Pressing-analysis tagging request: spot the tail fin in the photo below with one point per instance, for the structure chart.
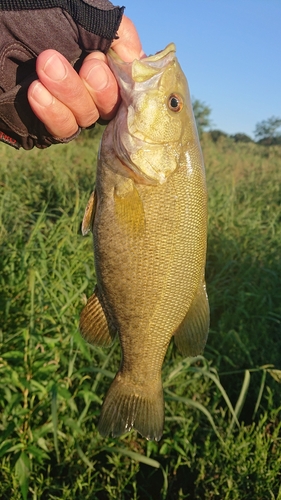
(127, 406)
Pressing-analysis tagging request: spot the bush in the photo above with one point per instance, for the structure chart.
(216, 135)
(240, 137)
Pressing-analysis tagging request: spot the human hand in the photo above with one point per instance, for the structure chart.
(64, 100)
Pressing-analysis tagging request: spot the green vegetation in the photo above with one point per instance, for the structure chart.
(222, 433)
(240, 137)
(267, 132)
(202, 115)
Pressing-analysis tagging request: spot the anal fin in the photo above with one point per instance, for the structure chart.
(191, 336)
(94, 326)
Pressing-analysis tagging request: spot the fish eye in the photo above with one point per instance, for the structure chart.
(175, 102)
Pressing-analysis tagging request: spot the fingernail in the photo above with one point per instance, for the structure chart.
(97, 78)
(41, 95)
(54, 68)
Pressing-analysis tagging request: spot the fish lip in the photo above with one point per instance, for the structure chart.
(113, 56)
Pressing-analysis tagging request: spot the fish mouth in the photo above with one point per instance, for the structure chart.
(139, 71)
(157, 60)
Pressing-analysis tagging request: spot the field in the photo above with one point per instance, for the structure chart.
(222, 436)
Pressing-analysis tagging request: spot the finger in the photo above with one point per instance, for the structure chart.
(57, 118)
(101, 84)
(128, 45)
(61, 80)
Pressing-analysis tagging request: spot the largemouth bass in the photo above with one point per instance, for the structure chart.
(148, 215)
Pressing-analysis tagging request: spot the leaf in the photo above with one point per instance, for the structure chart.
(8, 431)
(37, 453)
(224, 394)
(42, 443)
(40, 389)
(135, 456)
(82, 346)
(73, 425)
(276, 374)
(198, 406)
(22, 469)
(242, 397)
(13, 355)
(15, 447)
(84, 458)
(5, 447)
(42, 431)
(54, 407)
(74, 297)
(260, 393)
(64, 392)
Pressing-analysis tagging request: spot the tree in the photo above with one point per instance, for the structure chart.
(266, 131)
(216, 134)
(241, 137)
(202, 115)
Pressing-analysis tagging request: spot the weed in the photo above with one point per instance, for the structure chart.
(223, 427)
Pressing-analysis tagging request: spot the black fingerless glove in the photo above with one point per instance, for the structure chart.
(27, 27)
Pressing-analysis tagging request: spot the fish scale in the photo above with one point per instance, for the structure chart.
(148, 216)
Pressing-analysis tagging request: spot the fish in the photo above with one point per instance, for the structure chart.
(148, 216)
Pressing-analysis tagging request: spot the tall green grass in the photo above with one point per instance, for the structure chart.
(222, 432)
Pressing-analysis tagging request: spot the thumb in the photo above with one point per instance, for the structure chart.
(128, 45)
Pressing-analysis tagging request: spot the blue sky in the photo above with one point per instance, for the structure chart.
(230, 51)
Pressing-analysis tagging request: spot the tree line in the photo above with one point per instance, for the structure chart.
(267, 132)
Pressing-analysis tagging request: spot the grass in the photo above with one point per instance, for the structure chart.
(222, 432)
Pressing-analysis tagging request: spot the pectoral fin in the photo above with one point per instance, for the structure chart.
(129, 208)
(191, 336)
(94, 326)
(87, 223)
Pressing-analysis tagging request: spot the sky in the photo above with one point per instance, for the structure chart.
(229, 50)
